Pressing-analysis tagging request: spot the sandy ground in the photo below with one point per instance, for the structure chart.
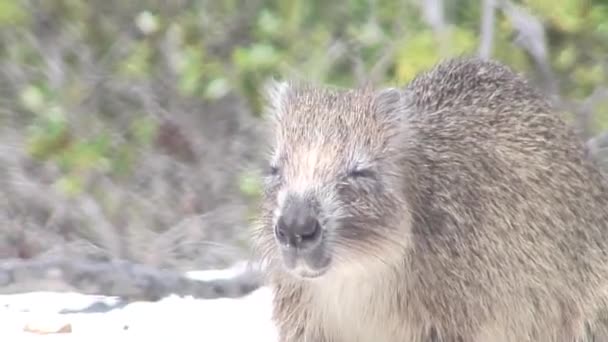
(182, 318)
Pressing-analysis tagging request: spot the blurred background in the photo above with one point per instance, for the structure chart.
(129, 130)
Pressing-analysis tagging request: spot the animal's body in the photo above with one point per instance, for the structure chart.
(459, 208)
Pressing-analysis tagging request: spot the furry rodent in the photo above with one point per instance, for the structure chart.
(458, 208)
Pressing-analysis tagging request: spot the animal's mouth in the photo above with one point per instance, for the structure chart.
(306, 263)
(309, 274)
(302, 237)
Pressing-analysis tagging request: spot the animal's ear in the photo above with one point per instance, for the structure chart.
(276, 93)
(391, 104)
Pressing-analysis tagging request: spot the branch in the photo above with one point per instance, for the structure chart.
(117, 278)
(487, 29)
(595, 144)
(584, 112)
(383, 63)
(433, 15)
(531, 37)
(433, 12)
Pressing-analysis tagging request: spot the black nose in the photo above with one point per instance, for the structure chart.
(298, 226)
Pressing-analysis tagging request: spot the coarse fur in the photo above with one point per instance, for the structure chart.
(459, 208)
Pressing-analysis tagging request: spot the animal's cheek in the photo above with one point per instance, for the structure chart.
(270, 189)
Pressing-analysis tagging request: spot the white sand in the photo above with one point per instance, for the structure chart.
(181, 318)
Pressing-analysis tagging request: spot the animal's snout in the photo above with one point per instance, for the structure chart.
(298, 231)
(298, 226)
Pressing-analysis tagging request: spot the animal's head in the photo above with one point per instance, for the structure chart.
(335, 186)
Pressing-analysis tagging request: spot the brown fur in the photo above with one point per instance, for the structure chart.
(479, 218)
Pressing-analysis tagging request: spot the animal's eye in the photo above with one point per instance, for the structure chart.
(273, 170)
(361, 173)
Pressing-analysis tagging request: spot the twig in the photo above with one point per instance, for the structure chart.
(433, 12)
(487, 29)
(531, 37)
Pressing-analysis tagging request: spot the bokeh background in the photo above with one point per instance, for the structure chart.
(130, 130)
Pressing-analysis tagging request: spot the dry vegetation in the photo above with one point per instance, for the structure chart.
(130, 130)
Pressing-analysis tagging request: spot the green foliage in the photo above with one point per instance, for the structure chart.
(51, 138)
(569, 16)
(420, 52)
(48, 135)
(142, 113)
(12, 13)
(250, 184)
(207, 50)
(137, 63)
(190, 70)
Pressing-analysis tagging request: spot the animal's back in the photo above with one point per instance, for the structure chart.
(508, 226)
(512, 217)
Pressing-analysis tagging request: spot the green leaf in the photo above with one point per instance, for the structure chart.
(190, 70)
(49, 135)
(11, 13)
(217, 88)
(268, 23)
(258, 55)
(32, 98)
(137, 64)
(147, 22)
(250, 184)
(143, 130)
(69, 185)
